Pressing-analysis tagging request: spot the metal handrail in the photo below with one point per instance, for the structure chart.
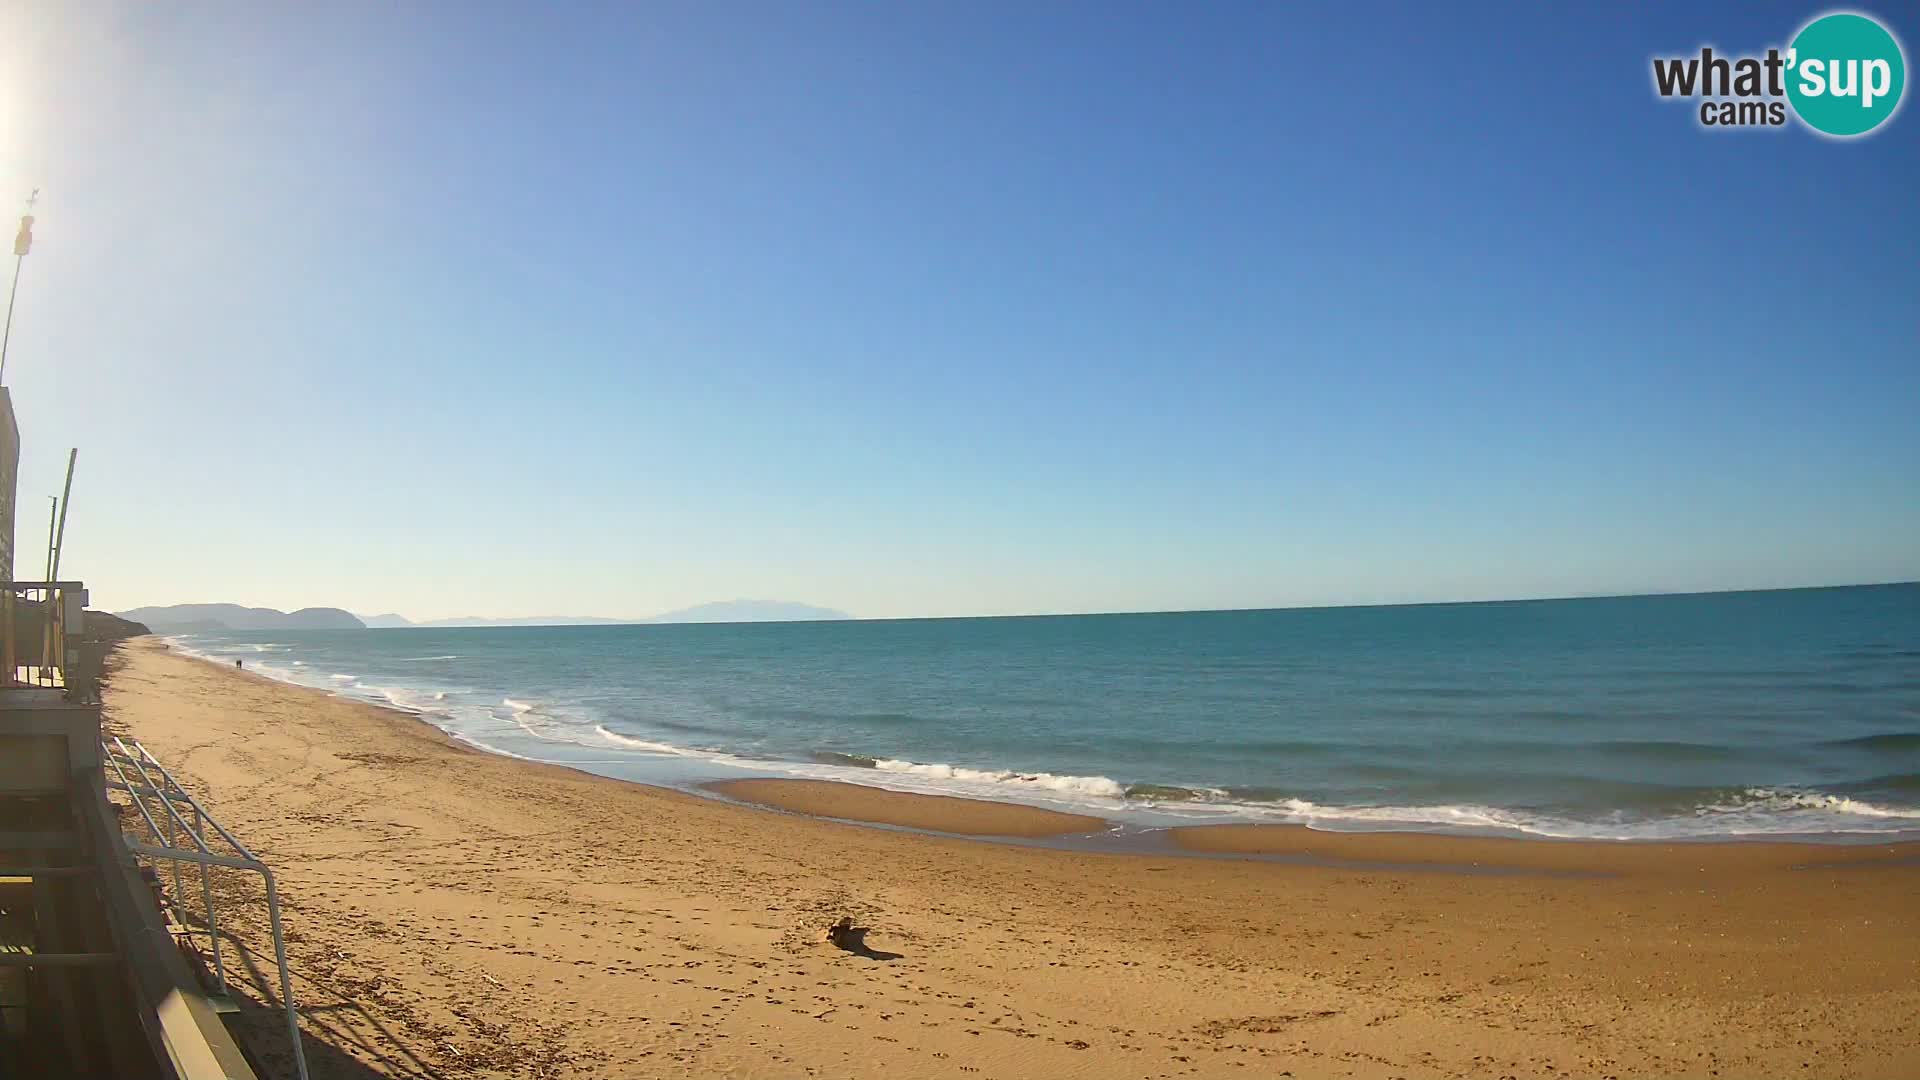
(206, 887)
(120, 757)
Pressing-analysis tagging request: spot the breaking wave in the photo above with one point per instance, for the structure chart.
(1746, 813)
(1099, 786)
(552, 722)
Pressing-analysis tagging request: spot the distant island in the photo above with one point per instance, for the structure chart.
(191, 618)
(750, 611)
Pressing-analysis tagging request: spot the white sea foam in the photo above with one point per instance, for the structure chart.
(1761, 812)
(1455, 816)
(489, 748)
(182, 645)
(1778, 800)
(522, 714)
(1097, 786)
(417, 659)
(628, 742)
(278, 673)
(660, 749)
(411, 699)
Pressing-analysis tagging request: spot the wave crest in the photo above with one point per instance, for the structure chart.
(1891, 740)
(628, 742)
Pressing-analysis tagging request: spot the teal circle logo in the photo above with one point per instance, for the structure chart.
(1845, 74)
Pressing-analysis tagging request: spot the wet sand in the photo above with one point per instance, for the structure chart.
(454, 913)
(1612, 858)
(933, 813)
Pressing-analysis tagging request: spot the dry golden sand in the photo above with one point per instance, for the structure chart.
(455, 913)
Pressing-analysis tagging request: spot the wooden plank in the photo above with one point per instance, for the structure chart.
(43, 871)
(40, 840)
(58, 959)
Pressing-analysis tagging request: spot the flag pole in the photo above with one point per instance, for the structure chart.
(21, 244)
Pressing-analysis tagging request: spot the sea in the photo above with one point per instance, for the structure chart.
(1790, 713)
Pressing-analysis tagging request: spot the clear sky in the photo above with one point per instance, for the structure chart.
(946, 308)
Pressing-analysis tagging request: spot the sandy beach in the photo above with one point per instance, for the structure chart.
(454, 913)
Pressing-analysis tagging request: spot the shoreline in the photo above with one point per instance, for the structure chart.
(455, 911)
(1005, 819)
(944, 814)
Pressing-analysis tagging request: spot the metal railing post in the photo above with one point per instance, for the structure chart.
(206, 897)
(206, 858)
(286, 980)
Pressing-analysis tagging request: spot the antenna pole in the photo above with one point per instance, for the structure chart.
(7, 338)
(21, 243)
(66, 498)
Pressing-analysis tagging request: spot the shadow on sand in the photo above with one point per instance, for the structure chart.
(335, 1050)
(850, 938)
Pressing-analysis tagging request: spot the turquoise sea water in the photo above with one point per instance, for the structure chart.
(1733, 714)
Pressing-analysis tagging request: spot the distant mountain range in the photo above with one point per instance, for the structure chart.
(190, 618)
(391, 621)
(176, 618)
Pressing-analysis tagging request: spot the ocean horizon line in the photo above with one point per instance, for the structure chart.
(603, 621)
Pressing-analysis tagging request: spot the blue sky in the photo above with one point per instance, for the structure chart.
(939, 309)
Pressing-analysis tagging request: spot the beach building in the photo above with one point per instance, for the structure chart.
(92, 982)
(99, 977)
